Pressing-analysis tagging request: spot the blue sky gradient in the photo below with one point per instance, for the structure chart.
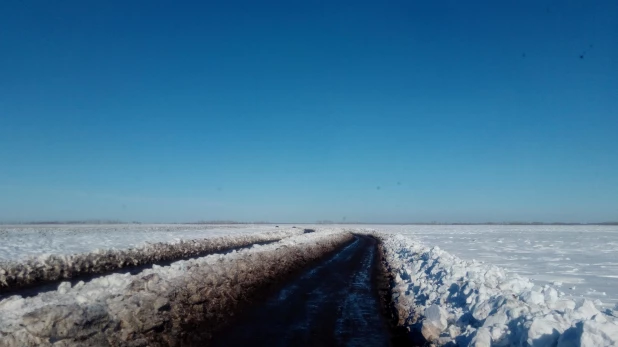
(385, 111)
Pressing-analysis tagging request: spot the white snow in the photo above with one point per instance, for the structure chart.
(581, 261)
(450, 300)
(46, 268)
(472, 285)
(131, 306)
(22, 241)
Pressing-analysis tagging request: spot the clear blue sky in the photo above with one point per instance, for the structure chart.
(384, 111)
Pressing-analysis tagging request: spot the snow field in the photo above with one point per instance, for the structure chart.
(466, 303)
(580, 260)
(170, 305)
(47, 268)
(20, 242)
(514, 297)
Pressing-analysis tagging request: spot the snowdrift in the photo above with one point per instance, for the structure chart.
(14, 275)
(452, 302)
(172, 305)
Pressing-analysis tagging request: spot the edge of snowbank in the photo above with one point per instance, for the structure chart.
(178, 304)
(450, 301)
(49, 268)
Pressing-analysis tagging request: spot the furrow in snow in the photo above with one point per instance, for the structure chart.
(34, 271)
(180, 304)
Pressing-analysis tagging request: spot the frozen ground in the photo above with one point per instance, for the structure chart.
(579, 260)
(177, 304)
(440, 290)
(21, 242)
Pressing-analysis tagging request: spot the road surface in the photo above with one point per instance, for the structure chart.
(335, 303)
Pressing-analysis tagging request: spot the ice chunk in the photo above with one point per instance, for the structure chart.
(551, 295)
(590, 334)
(64, 287)
(543, 331)
(585, 309)
(482, 338)
(532, 297)
(434, 323)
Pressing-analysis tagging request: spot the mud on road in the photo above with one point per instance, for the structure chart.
(320, 289)
(335, 303)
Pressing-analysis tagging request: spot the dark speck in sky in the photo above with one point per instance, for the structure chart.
(581, 56)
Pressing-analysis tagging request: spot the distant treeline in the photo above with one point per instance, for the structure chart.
(481, 223)
(72, 222)
(110, 221)
(97, 221)
(226, 222)
(412, 223)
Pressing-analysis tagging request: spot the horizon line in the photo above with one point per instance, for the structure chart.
(320, 222)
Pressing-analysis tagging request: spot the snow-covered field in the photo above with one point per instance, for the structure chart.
(21, 241)
(579, 260)
(451, 301)
(469, 285)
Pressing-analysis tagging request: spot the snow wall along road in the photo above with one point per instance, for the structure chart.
(452, 302)
(54, 267)
(180, 304)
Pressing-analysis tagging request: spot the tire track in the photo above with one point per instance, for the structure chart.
(335, 303)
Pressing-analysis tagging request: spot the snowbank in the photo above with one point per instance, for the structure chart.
(171, 305)
(582, 258)
(56, 267)
(454, 302)
(19, 242)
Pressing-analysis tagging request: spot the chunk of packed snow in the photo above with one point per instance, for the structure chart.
(435, 322)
